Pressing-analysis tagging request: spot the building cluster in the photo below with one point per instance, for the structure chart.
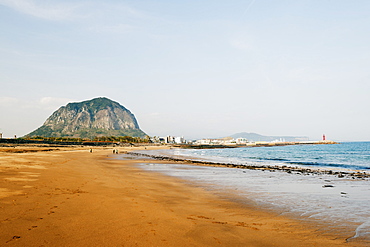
(222, 141)
(229, 141)
(181, 140)
(169, 140)
(226, 141)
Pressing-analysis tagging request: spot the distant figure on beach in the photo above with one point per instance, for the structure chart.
(90, 150)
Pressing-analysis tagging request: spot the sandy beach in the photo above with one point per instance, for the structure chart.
(71, 197)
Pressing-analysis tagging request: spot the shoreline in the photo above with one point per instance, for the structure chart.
(264, 193)
(284, 168)
(71, 197)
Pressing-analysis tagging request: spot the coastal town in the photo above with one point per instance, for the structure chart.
(234, 142)
(179, 141)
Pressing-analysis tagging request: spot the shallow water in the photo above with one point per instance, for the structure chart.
(333, 204)
(345, 156)
(343, 207)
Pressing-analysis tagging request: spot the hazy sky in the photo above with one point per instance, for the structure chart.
(207, 68)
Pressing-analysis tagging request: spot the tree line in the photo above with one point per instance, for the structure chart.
(121, 139)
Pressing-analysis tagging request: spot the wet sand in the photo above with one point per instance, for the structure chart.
(71, 197)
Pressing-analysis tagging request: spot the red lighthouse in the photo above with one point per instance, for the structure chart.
(323, 137)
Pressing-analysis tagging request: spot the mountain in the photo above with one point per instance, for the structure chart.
(253, 137)
(88, 119)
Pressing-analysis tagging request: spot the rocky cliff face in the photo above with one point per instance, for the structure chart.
(96, 117)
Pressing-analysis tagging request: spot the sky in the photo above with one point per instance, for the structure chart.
(198, 69)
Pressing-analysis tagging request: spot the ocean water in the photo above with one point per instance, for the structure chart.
(334, 204)
(345, 156)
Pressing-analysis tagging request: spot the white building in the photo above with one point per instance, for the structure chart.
(222, 141)
(179, 140)
(171, 139)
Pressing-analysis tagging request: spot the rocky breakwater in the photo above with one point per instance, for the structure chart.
(271, 168)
